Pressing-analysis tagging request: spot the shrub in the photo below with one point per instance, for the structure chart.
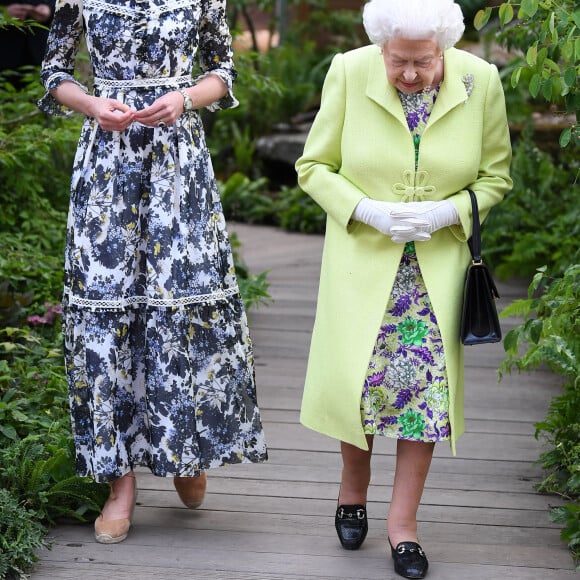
(20, 535)
(539, 220)
(551, 335)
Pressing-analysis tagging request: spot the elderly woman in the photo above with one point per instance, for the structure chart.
(405, 127)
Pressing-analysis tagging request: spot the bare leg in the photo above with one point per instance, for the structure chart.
(356, 473)
(113, 525)
(413, 462)
(121, 499)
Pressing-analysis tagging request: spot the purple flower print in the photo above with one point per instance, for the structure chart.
(386, 421)
(423, 353)
(401, 306)
(404, 397)
(376, 379)
(413, 120)
(445, 430)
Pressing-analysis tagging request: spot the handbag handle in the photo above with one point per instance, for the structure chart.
(475, 240)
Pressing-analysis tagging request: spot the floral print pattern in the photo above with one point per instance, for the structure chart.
(158, 353)
(405, 393)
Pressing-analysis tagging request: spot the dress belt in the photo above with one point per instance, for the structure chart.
(142, 83)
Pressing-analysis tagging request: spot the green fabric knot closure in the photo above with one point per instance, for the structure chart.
(414, 186)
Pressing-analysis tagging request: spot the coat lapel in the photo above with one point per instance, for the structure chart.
(453, 91)
(380, 91)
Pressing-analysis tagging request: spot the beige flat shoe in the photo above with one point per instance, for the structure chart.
(116, 530)
(191, 490)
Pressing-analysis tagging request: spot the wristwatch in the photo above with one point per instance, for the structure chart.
(187, 102)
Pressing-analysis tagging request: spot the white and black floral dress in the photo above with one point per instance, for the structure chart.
(158, 353)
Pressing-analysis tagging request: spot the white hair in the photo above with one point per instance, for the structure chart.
(441, 20)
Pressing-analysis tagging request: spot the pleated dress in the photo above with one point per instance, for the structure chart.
(406, 393)
(158, 354)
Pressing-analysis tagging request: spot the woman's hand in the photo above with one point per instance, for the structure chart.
(110, 114)
(40, 13)
(19, 11)
(164, 110)
(436, 214)
(392, 220)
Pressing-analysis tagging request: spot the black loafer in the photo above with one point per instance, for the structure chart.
(351, 525)
(410, 560)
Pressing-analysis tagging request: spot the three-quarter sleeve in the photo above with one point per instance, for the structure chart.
(61, 50)
(215, 50)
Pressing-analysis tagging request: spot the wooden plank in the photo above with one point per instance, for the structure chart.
(379, 493)
(245, 503)
(127, 571)
(289, 475)
(315, 526)
(251, 551)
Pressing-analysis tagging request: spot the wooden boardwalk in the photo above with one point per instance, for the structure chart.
(480, 517)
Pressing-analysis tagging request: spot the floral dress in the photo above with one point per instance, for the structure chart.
(158, 354)
(405, 393)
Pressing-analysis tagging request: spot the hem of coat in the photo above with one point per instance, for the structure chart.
(330, 433)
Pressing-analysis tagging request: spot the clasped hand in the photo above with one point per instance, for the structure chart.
(406, 222)
(113, 115)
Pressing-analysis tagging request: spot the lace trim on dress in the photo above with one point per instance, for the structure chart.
(158, 302)
(144, 82)
(151, 11)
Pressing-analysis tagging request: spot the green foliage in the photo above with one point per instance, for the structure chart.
(33, 389)
(539, 220)
(29, 275)
(275, 85)
(39, 472)
(550, 334)
(251, 202)
(244, 199)
(547, 34)
(253, 287)
(298, 212)
(20, 535)
(36, 154)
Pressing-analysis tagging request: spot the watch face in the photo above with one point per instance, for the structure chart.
(187, 102)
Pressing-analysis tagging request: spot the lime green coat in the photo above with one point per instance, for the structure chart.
(360, 145)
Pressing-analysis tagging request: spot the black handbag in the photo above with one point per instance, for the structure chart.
(479, 320)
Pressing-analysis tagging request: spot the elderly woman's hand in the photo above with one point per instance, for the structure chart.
(435, 214)
(392, 220)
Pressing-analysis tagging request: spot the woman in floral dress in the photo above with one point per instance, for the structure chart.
(158, 354)
(405, 127)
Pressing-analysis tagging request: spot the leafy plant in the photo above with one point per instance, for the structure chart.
(551, 335)
(546, 32)
(21, 534)
(39, 471)
(253, 287)
(244, 199)
(539, 220)
(298, 212)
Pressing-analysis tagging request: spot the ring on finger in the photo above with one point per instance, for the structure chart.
(161, 123)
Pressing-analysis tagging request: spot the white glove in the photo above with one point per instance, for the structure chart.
(437, 214)
(392, 220)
